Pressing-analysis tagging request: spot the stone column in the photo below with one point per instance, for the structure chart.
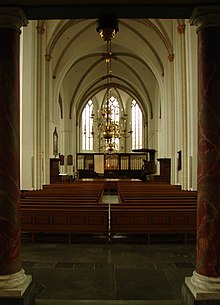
(13, 281)
(39, 107)
(47, 136)
(184, 112)
(204, 285)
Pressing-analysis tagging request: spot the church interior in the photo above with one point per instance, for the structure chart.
(146, 72)
(115, 157)
(141, 71)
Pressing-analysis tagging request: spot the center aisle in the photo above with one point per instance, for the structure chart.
(110, 199)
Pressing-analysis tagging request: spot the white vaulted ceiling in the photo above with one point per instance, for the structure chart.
(140, 54)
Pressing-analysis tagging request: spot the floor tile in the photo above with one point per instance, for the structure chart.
(114, 272)
(142, 285)
(184, 265)
(63, 265)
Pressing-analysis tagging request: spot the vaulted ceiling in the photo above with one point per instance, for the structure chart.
(140, 54)
(141, 49)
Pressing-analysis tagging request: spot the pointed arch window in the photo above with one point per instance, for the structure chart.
(114, 106)
(87, 139)
(137, 125)
(115, 116)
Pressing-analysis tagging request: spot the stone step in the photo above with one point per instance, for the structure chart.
(107, 302)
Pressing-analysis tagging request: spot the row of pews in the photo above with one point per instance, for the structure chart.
(75, 208)
(64, 208)
(154, 208)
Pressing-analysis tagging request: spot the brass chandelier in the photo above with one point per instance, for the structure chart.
(109, 129)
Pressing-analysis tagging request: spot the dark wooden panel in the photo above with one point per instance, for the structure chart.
(26, 219)
(41, 219)
(177, 220)
(122, 220)
(159, 220)
(191, 220)
(96, 220)
(141, 220)
(59, 220)
(78, 220)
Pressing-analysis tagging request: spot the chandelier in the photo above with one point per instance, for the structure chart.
(109, 129)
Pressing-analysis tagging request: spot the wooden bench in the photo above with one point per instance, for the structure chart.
(132, 193)
(158, 200)
(154, 208)
(94, 195)
(143, 209)
(107, 219)
(60, 199)
(152, 220)
(68, 219)
(63, 192)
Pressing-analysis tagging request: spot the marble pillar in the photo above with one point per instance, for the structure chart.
(205, 282)
(13, 280)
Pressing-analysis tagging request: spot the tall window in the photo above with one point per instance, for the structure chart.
(137, 125)
(114, 106)
(87, 139)
(115, 114)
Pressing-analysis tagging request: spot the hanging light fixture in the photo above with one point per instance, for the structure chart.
(107, 27)
(109, 128)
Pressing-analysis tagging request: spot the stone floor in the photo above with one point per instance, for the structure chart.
(128, 271)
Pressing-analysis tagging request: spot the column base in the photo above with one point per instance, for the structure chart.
(21, 295)
(201, 290)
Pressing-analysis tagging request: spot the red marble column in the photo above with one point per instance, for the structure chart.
(10, 230)
(208, 217)
(204, 285)
(9, 152)
(205, 282)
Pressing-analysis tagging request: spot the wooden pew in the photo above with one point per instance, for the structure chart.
(159, 199)
(64, 208)
(64, 219)
(153, 208)
(149, 209)
(131, 193)
(59, 200)
(175, 199)
(77, 193)
(152, 220)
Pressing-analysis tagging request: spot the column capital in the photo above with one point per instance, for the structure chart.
(171, 57)
(48, 57)
(181, 28)
(205, 16)
(13, 18)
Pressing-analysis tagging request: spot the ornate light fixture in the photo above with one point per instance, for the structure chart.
(107, 27)
(109, 129)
